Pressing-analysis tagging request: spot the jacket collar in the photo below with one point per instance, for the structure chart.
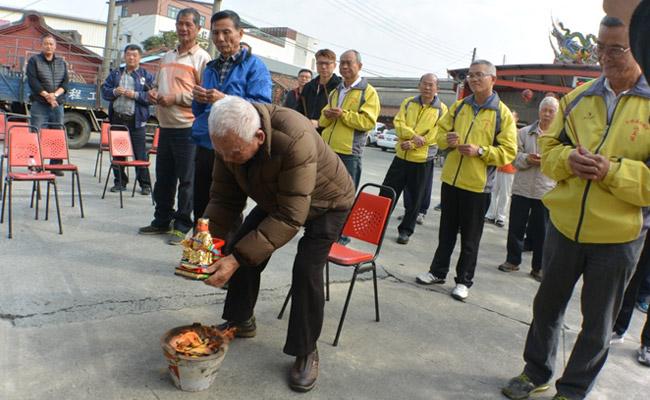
(492, 102)
(532, 128)
(640, 89)
(362, 85)
(265, 111)
(435, 103)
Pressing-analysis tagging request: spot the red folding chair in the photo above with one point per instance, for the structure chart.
(54, 146)
(103, 146)
(121, 150)
(9, 122)
(24, 151)
(367, 223)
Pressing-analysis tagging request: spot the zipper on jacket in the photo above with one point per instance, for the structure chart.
(584, 195)
(460, 163)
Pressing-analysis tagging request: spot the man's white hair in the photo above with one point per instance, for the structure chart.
(491, 69)
(234, 115)
(549, 101)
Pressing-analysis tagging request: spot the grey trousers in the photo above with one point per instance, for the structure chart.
(605, 269)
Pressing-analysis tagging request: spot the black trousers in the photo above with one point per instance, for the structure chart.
(605, 270)
(526, 216)
(426, 196)
(202, 180)
(307, 294)
(464, 210)
(627, 309)
(411, 176)
(138, 140)
(174, 167)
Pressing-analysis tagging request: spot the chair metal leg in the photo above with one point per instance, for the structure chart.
(284, 306)
(374, 282)
(99, 150)
(101, 161)
(135, 181)
(9, 209)
(72, 197)
(4, 194)
(58, 210)
(345, 307)
(38, 197)
(47, 202)
(31, 201)
(119, 182)
(327, 281)
(105, 186)
(81, 204)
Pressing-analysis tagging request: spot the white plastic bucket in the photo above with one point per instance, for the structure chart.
(191, 374)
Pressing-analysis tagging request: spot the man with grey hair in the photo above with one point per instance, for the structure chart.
(181, 70)
(275, 156)
(527, 213)
(597, 150)
(481, 134)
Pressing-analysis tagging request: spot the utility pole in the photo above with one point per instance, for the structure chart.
(474, 54)
(216, 6)
(108, 46)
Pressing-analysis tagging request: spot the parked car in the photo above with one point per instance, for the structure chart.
(371, 139)
(387, 139)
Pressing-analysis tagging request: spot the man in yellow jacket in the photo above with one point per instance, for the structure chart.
(597, 149)
(481, 134)
(415, 125)
(352, 111)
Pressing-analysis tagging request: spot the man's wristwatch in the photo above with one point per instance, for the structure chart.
(480, 151)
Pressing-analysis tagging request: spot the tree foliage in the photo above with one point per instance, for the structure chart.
(167, 40)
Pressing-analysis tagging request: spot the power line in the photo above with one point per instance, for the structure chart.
(21, 9)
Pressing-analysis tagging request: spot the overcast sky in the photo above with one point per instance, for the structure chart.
(402, 37)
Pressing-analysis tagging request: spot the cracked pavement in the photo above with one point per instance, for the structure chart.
(81, 314)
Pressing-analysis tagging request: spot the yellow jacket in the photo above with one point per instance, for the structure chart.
(347, 134)
(609, 211)
(492, 128)
(415, 118)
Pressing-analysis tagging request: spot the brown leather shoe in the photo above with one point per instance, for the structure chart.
(246, 329)
(304, 372)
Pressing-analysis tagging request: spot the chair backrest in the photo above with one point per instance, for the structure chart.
(3, 125)
(369, 216)
(54, 143)
(120, 142)
(23, 145)
(103, 140)
(156, 137)
(10, 124)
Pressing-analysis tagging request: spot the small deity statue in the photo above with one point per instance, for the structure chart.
(198, 249)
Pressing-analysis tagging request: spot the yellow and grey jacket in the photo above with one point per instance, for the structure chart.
(415, 118)
(614, 209)
(347, 134)
(489, 126)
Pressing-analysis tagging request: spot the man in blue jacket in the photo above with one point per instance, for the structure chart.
(126, 88)
(236, 72)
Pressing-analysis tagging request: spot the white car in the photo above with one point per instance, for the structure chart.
(387, 140)
(371, 139)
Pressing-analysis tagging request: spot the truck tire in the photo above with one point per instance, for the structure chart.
(78, 129)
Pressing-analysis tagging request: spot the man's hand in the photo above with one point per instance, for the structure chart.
(166, 101)
(406, 145)
(333, 113)
(602, 164)
(583, 165)
(119, 91)
(418, 140)
(53, 103)
(209, 96)
(223, 269)
(314, 122)
(534, 159)
(153, 96)
(469, 150)
(452, 140)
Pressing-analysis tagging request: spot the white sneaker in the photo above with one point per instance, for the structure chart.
(420, 219)
(460, 292)
(616, 338)
(428, 278)
(644, 355)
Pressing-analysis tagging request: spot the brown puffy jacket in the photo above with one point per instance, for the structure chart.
(294, 177)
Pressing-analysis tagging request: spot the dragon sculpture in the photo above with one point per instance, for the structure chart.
(572, 47)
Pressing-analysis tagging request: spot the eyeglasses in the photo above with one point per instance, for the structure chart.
(611, 51)
(476, 75)
(324, 63)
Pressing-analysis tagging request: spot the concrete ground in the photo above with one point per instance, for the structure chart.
(81, 315)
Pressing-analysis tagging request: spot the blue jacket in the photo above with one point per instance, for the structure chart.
(143, 83)
(249, 79)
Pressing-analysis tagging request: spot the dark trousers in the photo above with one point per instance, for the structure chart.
(627, 309)
(174, 166)
(353, 165)
(644, 289)
(465, 210)
(43, 114)
(425, 201)
(202, 180)
(605, 270)
(526, 215)
(307, 297)
(406, 174)
(138, 140)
